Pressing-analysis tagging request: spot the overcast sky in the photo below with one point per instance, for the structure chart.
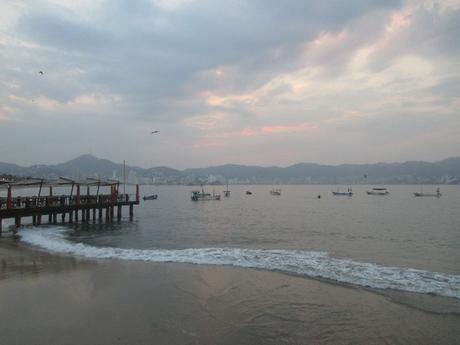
(263, 82)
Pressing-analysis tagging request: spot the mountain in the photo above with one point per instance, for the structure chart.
(412, 172)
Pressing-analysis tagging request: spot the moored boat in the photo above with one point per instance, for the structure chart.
(378, 191)
(349, 192)
(437, 194)
(227, 192)
(275, 192)
(150, 197)
(198, 195)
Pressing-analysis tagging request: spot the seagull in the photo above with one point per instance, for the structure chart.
(154, 132)
(41, 72)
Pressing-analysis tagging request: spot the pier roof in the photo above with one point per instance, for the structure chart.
(61, 181)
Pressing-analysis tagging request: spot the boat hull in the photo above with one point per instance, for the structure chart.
(438, 195)
(342, 193)
(377, 193)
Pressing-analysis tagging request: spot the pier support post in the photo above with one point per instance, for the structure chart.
(107, 213)
(94, 214)
(76, 215)
(34, 220)
(83, 215)
(17, 221)
(100, 213)
(63, 217)
(1, 225)
(88, 215)
(9, 202)
(39, 219)
(119, 212)
(111, 212)
(131, 211)
(71, 217)
(54, 218)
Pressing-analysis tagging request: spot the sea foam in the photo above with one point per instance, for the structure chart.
(304, 263)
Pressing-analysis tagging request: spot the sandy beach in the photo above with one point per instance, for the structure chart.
(55, 299)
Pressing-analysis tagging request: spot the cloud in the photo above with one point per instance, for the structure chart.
(230, 79)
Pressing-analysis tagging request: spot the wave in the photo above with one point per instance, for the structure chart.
(304, 263)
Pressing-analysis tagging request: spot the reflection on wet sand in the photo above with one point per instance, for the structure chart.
(65, 300)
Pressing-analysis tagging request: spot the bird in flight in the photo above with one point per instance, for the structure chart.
(154, 132)
(41, 72)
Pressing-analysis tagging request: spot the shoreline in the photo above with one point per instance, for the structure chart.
(144, 302)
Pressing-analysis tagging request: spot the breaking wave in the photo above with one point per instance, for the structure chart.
(304, 263)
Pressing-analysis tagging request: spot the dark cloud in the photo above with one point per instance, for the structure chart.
(142, 64)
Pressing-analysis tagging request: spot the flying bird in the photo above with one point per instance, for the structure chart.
(155, 132)
(41, 72)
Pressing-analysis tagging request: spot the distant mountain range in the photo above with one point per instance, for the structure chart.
(446, 171)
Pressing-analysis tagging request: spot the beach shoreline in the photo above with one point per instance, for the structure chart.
(58, 299)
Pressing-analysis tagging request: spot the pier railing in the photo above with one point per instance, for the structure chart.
(69, 205)
(26, 202)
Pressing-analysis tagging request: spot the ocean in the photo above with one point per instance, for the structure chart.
(396, 242)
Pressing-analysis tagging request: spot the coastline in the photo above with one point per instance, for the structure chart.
(56, 299)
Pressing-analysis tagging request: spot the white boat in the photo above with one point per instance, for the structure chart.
(150, 197)
(349, 192)
(201, 195)
(275, 192)
(437, 194)
(378, 191)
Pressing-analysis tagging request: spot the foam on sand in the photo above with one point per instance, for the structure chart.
(304, 263)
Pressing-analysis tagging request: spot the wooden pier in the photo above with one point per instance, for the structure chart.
(72, 207)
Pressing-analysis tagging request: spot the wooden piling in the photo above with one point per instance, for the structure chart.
(17, 221)
(131, 211)
(9, 202)
(119, 212)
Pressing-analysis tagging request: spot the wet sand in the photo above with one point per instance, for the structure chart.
(53, 299)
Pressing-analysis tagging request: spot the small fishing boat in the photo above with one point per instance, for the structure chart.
(437, 194)
(349, 192)
(275, 192)
(248, 192)
(227, 192)
(198, 195)
(378, 191)
(150, 197)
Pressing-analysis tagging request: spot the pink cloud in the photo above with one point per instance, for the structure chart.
(278, 129)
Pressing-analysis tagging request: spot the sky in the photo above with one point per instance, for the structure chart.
(257, 82)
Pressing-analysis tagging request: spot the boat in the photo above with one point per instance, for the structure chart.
(437, 194)
(349, 192)
(248, 192)
(275, 192)
(378, 191)
(227, 192)
(150, 197)
(201, 195)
